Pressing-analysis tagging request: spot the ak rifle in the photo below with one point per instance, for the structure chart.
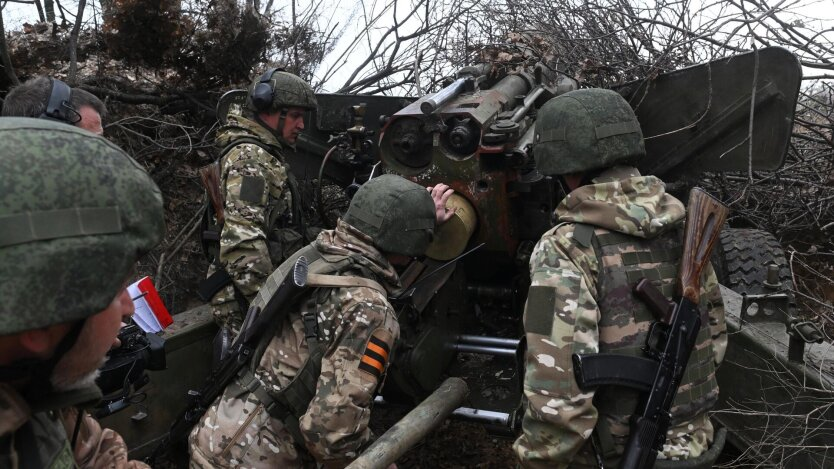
(670, 340)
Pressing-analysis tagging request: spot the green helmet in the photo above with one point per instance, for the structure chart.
(587, 129)
(396, 213)
(276, 90)
(75, 215)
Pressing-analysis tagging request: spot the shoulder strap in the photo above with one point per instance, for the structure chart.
(245, 140)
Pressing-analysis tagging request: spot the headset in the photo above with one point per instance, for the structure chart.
(58, 107)
(263, 93)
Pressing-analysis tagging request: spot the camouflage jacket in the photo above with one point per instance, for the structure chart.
(45, 435)
(559, 418)
(357, 328)
(259, 230)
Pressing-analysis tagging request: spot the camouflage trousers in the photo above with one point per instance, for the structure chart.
(237, 430)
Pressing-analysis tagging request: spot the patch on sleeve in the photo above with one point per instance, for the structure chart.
(252, 189)
(540, 304)
(375, 358)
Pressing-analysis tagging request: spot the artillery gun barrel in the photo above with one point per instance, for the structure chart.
(430, 105)
(512, 86)
(529, 100)
(414, 426)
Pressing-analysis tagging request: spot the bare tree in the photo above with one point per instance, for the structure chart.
(73, 43)
(6, 61)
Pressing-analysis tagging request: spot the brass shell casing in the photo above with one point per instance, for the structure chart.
(451, 238)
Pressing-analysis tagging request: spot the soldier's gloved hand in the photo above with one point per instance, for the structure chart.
(441, 193)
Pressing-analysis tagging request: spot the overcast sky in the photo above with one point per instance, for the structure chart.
(350, 14)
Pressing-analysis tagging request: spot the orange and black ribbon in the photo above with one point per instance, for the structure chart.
(375, 357)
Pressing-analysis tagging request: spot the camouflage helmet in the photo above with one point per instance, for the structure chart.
(587, 129)
(75, 214)
(396, 213)
(276, 90)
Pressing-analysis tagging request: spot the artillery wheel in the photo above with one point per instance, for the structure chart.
(742, 258)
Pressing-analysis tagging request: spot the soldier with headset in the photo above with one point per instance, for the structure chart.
(51, 98)
(259, 221)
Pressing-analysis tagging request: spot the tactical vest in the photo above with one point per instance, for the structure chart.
(285, 231)
(291, 402)
(624, 260)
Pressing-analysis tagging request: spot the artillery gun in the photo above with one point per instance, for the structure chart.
(462, 317)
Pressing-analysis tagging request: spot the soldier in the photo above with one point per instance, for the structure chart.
(307, 399)
(262, 218)
(613, 228)
(51, 98)
(75, 214)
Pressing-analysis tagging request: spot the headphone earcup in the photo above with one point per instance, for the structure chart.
(262, 96)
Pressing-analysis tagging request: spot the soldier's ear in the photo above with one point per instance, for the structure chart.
(41, 342)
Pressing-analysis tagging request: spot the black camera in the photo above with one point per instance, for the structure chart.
(124, 372)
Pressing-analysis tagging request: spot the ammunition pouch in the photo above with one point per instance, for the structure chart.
(212, 284)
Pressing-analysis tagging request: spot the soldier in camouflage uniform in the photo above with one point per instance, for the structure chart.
(75, 214)
(263, 221)
(613, 228)
(307, 399)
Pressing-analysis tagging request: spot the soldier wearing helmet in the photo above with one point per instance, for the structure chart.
(262, 222)
(614, 227)
(306, 399)
(75, 215)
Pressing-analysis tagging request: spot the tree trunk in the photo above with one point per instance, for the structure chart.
(73, 43)
(49, 9)
(5, 60)
(41, 17)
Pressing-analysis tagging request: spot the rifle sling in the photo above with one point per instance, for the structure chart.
(600, 369)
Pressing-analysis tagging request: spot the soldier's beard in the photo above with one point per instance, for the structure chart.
(66, 380)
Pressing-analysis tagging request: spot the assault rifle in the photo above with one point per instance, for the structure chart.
(670, 341)
(274, 298)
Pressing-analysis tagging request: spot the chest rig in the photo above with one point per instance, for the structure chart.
(291, 402)
(283, 225)
(625, 321)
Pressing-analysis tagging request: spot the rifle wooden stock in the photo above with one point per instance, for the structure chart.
(705, 216)
(210, 177)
